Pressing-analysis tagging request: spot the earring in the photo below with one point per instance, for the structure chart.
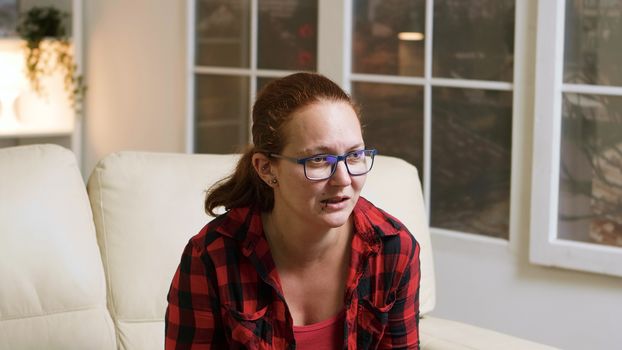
(274, 181)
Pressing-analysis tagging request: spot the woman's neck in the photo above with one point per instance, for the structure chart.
(301, 246)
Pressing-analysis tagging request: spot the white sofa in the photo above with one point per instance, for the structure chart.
(91, 271)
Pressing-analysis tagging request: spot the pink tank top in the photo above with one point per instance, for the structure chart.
(327, 334)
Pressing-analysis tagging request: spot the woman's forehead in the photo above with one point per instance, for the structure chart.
(323, 126)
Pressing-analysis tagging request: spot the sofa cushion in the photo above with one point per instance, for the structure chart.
(147, 205)
(51, 275)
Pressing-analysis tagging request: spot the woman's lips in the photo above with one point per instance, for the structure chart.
(334, 200)
(335, 203)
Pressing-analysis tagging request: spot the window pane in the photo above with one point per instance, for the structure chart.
(377, 29)
(474, 39)
(593, 42)
(222, 113)
(392, 119)
(219, 139)
(222, 29)
(471, 159)
(287, 35)
(590, 183)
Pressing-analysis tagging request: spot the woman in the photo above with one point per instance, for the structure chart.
(299, 260)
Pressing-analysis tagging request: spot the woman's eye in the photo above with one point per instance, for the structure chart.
(317, 160)
(357, 155)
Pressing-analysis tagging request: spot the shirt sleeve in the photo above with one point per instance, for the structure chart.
(192, 319)
(402, 330)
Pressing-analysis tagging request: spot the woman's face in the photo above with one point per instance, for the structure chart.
(325, 127)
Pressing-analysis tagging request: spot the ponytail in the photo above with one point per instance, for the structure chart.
(243, 188)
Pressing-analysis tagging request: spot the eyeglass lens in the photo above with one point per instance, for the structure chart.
(322, 167)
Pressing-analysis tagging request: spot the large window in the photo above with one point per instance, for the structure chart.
(436, 80)
(577, 173)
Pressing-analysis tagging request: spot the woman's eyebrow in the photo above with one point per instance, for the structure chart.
(316, 150)
(327, 150)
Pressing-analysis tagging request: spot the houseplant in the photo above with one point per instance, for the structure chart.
(48, 49)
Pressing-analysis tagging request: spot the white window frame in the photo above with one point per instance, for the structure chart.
(545, 246)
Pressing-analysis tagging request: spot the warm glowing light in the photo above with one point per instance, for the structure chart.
(411, 36)
(12, 81)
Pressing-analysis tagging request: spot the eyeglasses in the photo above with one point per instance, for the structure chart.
(323, 166)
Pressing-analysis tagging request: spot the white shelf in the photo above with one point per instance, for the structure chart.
(35, 131)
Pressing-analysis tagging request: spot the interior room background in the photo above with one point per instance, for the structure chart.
(523, 210)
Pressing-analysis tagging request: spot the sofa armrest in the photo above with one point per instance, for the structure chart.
(440, 334)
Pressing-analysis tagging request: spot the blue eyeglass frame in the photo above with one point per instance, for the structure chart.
(333, 162)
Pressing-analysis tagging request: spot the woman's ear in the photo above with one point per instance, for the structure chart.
(263, 168)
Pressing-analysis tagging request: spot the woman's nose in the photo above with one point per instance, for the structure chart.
(341, 177)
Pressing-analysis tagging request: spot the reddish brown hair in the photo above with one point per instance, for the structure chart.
(273, 108)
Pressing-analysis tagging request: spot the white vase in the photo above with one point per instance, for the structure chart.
(8, 117)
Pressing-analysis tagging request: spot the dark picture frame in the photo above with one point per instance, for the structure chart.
(8, 18)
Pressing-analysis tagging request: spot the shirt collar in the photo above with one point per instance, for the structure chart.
(245, 226)
(371, 225)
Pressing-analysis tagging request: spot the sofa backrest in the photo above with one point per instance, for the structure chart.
(52, 284)
(147, 205)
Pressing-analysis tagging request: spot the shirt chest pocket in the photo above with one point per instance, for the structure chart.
(248, 330)
(372, 321)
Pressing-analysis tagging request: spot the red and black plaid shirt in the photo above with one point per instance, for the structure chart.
(226, 295)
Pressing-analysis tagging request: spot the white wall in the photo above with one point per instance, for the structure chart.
(135, 68)
(487, 285)
(491, 283)
(135, 65)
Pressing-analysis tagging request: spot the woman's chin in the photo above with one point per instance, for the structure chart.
(336, 218)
